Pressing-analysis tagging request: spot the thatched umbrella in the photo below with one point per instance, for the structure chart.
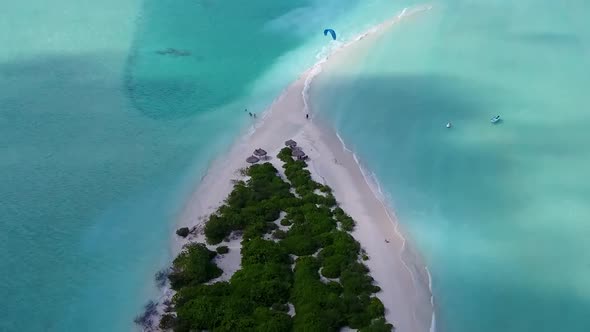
(260, 153)
(252, 159)
(298, 153)
(291, 143)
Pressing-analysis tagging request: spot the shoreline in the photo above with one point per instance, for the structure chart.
(404, 280)
(373, 183)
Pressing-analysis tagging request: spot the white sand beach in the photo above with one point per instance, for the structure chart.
(399, 272)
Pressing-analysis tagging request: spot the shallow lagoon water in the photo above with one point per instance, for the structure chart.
(498, 211)
(103, 138)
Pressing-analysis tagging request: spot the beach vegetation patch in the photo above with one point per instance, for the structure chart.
(257, 295)
(222, 250)
(346, 222)
(183, 232)
(279, 234)
(193, 266)
(167, 322)
(260, 251)
(251, 205)
(283, 307)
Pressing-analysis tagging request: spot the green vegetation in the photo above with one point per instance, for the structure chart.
(346, 222)
(256, 297)
(252, 206)
(279, 234)
(193, 266)
(183, 232)
(222, 250)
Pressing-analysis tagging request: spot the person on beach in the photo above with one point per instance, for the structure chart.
(307, 116)
(250, 114)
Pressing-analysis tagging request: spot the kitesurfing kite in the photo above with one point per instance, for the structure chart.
(331, 32)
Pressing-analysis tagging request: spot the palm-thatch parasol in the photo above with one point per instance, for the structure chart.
(260, 153)
(252, 159)
(291, 143)
(298, 153)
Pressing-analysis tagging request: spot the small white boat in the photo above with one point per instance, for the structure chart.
(495, 119)
(449, 125)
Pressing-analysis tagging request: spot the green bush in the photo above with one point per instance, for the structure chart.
(272, 321)
(200, 313)
(186, 294)
(329, 200)
(167, 321)
(335, 287)
(193, 266)
(183, 232)
(345, 220)
(279, 234)
(216, 229)
(222, 250)
(285, 155)
(283, 307)
(299, 176)
(255, 297)
(300, 245)
(260, 251)
(348, 225)
(250, 204)
(333, 265)
(338, 212)
(375, 308)
(315, 303)
(356, 282)
(263, 284)
(255, 230)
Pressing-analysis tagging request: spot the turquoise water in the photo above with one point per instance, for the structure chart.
(499, 212)
(102, 137)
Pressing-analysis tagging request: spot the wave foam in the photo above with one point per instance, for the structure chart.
(375, 187)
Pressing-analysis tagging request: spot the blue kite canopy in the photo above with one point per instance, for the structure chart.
(332, 32)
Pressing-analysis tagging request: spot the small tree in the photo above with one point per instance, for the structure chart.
(222, 250)
(167, 322)
(183, 232)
